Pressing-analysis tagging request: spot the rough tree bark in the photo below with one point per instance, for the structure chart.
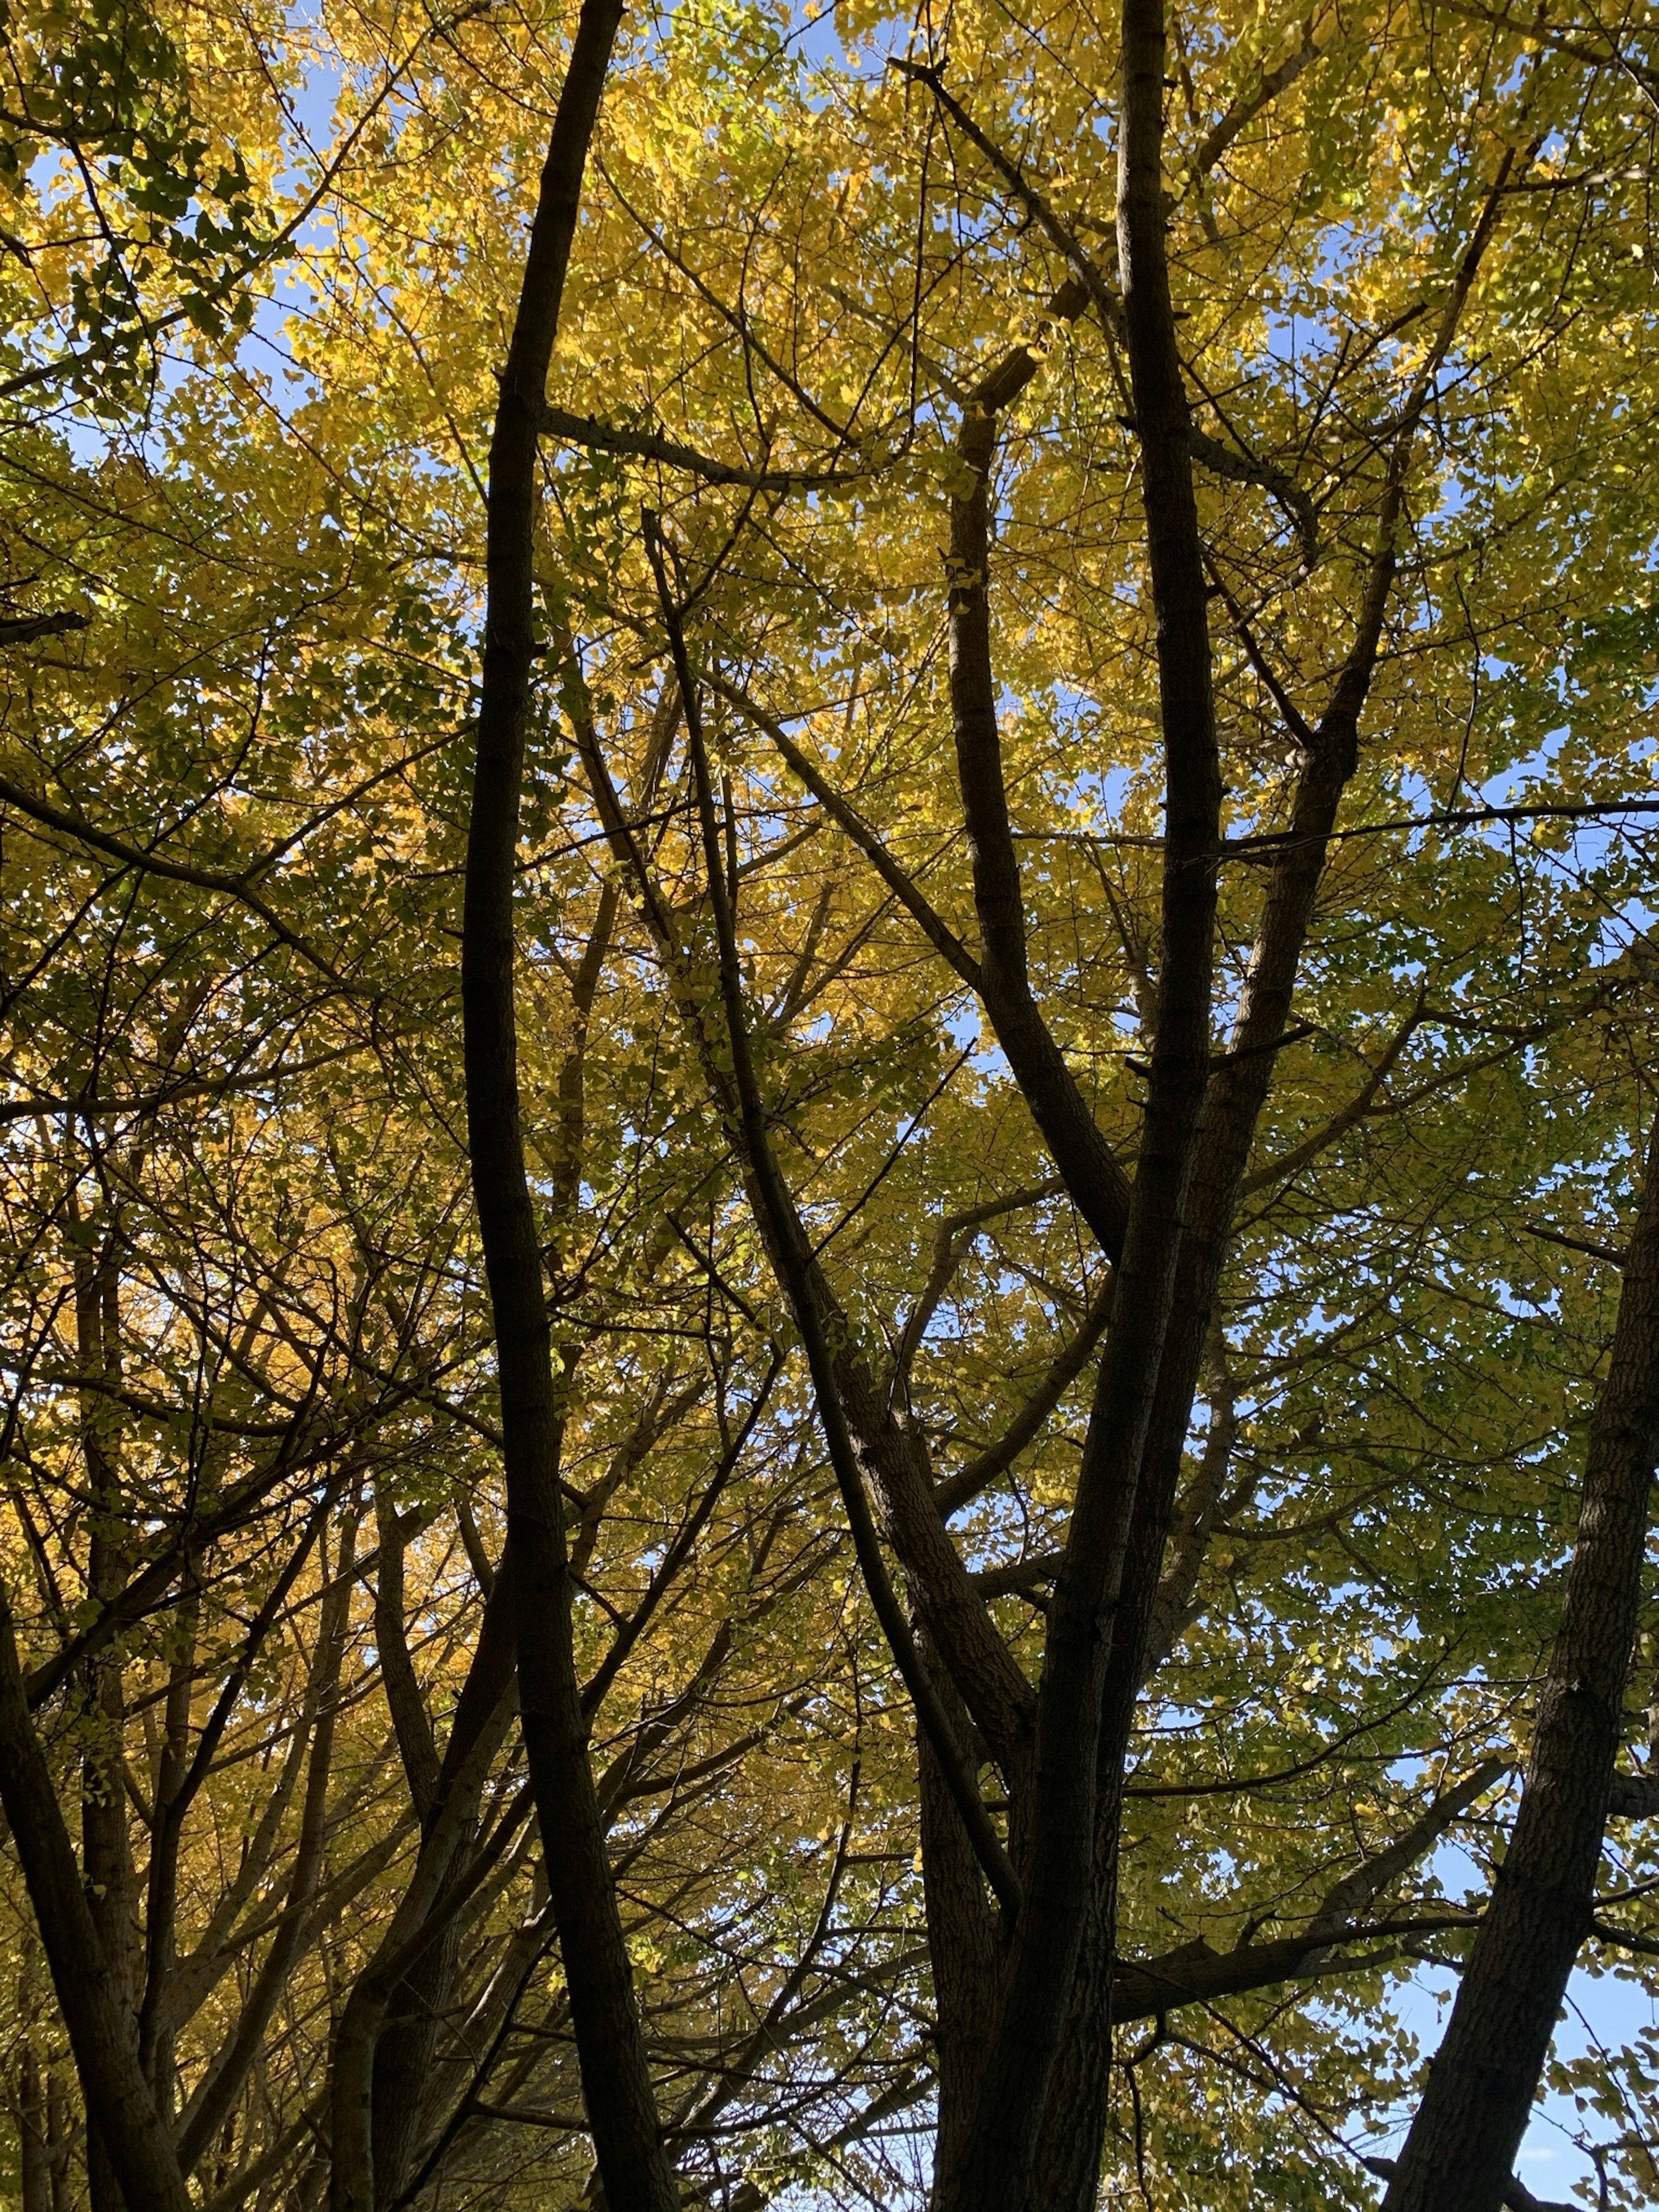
(965, 1952)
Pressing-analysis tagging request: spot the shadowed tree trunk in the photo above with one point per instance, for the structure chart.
(1461, 2152)
(622, 2110)
(1074, 2129)
(962, 1946)
(30, 2104)
(404, 2053)
(1016, 2122)
(101, 2029)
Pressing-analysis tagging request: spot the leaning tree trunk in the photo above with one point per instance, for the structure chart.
(627, 2143)
(1461, 2152)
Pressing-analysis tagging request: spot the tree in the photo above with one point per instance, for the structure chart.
(1013, 1413)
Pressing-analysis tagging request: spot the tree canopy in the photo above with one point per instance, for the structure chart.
(830, 1319)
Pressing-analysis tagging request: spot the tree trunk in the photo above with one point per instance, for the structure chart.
(89, 1993)
(963, 1946)
(610, 2040)
(34, 2147)
(106, 1842)
(1062, 1892)
(1461, 2152)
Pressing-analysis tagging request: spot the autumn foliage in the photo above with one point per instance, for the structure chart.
(831, 1324)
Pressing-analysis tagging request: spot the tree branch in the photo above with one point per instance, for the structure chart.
(651, 446)
(793, 1259)
(236, 887)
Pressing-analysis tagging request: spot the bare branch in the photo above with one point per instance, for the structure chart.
(649, 445)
